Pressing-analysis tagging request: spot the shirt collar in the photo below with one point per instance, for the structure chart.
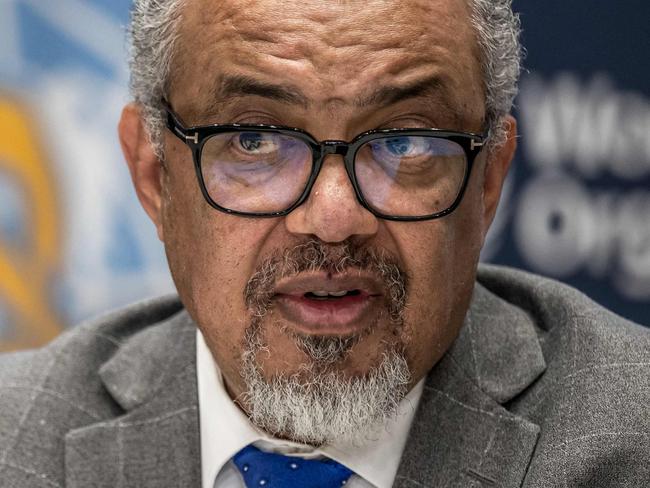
(225, 430)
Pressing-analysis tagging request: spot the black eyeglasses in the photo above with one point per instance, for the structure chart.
(267, 171)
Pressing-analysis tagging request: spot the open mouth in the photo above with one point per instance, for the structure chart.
(339, 305)
(331, 295)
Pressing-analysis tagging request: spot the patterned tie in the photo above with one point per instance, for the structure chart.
(269, 470)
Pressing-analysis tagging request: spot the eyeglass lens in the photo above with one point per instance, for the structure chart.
(266, 172)
(255, 172)
(410, 175)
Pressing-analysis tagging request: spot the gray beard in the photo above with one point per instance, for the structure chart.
(318, 406)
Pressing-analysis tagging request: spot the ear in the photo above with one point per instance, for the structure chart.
(145, 167)
(496, 170)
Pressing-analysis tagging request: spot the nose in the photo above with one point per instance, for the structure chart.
(332, 212)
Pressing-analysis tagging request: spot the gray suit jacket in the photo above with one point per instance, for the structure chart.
(542, 388)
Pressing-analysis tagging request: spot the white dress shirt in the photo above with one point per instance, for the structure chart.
(225, 430)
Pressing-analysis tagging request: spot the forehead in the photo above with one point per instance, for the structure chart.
(337, 47)
(331, 24)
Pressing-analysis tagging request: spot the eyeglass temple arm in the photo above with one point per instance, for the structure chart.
(474, 143)
(177, 128)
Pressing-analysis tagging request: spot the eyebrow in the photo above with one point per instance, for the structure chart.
(236, 86)
(388, 95)
(232, 86)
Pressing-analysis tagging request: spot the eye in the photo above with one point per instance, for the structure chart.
(259, 143)
(400, 147)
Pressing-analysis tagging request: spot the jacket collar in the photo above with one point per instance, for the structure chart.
(155, 442)
(498, 347)
(462, 435)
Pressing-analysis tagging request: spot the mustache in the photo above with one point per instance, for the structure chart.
(317, 256)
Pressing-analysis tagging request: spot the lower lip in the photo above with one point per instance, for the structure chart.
(343, 316)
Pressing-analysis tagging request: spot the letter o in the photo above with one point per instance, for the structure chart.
(554, 227)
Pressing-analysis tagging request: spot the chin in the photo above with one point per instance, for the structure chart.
(327, 396)
(282, 349)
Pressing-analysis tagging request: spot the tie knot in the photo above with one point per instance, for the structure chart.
(269, 470)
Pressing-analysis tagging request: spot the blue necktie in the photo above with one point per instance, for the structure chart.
(269, 470)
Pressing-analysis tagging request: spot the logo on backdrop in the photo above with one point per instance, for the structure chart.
(66, 202)
(583, 206)
(29, 254)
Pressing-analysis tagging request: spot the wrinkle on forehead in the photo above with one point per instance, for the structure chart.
(313, 29)
(306, 29)
(338, 47)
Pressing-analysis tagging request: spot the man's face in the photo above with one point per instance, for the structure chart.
(351, 65)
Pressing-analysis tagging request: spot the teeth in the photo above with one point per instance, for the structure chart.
(324, 294)
(320, 293)
(338, 293)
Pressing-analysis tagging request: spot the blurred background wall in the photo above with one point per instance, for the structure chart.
(577, 206)
(74, 241)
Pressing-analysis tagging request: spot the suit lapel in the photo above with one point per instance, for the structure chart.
(462, 435)
(156, 442)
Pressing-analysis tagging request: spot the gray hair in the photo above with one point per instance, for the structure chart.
(497, 32)
(153, 33)
(154, 30)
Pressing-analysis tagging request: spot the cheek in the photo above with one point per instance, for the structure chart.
(441, 257)
(211, 256)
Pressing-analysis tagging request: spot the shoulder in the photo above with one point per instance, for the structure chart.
(44, 393)
(74, 357)
(592, 401)
(575, 332)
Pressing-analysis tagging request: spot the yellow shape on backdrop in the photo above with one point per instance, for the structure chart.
(26, 274)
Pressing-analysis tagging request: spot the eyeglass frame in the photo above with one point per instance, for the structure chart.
(196, 136)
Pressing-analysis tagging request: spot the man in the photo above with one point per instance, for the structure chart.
(329, 327)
